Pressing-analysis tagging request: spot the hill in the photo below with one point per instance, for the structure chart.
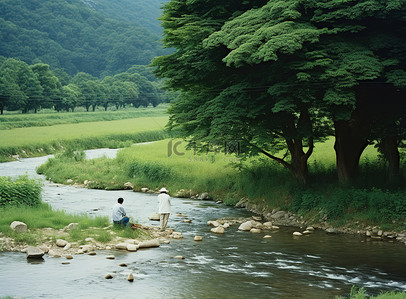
(143, 13)
(67, 34)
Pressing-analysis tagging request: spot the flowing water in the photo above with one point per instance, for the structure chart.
(234, 265)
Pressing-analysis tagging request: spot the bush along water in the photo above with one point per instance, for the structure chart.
(19, 191)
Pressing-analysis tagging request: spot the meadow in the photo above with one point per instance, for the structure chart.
(51, 117)
(42, 140)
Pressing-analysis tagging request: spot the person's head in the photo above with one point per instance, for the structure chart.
(163, 190)
(120, 200)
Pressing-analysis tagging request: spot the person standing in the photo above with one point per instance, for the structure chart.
(164, 207)
(119, 215)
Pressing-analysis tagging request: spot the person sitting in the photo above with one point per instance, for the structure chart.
(119, 215)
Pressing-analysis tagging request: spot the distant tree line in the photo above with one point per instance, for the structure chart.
(32, 87)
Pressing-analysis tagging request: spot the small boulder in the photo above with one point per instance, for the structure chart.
(297, 234)
(108, 276)
(61, 243)
(204, 196)
(150, 243)
(132, 247)
(71, 226)
(34, 252)
(255, 230)
(180, 257)
(130, 277)
(217, 230)
(246, 226)
(198, 238)
(176, 235)
(128, 186)
(121, 246)
(67, 246)
(18, 226)
(214, 223)
(144, 189)
(267, 236)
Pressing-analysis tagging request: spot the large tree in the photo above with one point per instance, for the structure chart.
(278, 71)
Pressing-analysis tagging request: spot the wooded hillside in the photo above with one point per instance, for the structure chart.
(76, 38)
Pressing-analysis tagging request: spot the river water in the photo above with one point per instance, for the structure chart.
(234, 265)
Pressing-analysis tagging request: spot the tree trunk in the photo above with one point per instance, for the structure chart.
(390, 151)
(298, 165)
(349, 144)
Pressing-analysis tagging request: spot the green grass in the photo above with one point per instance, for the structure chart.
(261, 180)
(43, 216)
(39, 141)
(11, 121)
(42, 135)
(361, 294)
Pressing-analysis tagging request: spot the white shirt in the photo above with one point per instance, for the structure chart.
(164, 203)
(118, 212)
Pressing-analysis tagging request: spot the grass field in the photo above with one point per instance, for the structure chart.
(10, 121)
(20, 137)
(146, 125)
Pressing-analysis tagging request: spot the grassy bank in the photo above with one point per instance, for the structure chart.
(362, 294)
(20, 200)
(38, 141)
(262, 181)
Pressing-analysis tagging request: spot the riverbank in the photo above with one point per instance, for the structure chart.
(63, 242)
(262, 186)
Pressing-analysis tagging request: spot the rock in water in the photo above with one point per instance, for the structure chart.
(246, 226)
(149, 243)
(218, 230)
(34, 252)
(130, 277)
(198, 238)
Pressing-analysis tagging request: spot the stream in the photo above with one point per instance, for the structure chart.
(233, 265)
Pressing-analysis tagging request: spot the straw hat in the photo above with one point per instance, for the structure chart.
(163, 190)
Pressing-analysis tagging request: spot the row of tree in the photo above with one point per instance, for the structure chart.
(285, 74)
(31, 87)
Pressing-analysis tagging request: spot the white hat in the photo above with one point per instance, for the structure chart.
(163, 190)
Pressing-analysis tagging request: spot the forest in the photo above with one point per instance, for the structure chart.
(66, 54)
(71, 36)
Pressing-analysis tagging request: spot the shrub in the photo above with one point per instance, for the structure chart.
(151, 170)
(19, 191)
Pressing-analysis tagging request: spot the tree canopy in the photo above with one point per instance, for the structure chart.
(283, 74)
